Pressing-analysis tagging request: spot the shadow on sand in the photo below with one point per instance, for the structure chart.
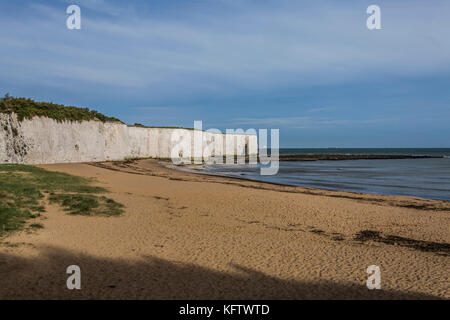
(44, 277)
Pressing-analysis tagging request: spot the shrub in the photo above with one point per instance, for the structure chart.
(28, 108)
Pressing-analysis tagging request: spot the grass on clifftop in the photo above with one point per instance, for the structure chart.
(23, 188)
(139, 125)
(28, 108)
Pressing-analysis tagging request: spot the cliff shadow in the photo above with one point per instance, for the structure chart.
(44, 277)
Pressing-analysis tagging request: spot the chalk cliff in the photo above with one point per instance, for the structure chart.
(43, 140)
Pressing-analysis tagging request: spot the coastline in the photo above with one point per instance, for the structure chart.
(391, 175)
(397, 200)
(188, 235)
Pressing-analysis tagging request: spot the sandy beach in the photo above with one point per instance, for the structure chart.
(190, 236)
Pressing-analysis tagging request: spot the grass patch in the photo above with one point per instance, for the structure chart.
(129, 160)
(28, 108)
(36, 226)
(22, 190)
(12, 219)
(139, 125)
(10, 244)
(87, 205)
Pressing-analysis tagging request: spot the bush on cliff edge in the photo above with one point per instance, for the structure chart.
(28, 108)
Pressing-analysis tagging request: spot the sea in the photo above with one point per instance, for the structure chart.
(424, 178)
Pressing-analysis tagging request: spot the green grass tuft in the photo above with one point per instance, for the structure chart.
(130, 159)
(36, 226)
(23, 188)
(87, 205)
(12, 219)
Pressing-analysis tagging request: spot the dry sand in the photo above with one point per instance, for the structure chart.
(190, 236)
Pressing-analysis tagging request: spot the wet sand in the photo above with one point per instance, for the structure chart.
(192, 236)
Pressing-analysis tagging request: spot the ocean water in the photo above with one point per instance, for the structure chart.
(391, 151)
(425, 178)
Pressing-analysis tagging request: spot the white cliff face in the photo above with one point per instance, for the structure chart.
(44, 140)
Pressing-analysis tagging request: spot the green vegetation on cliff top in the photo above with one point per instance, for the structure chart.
(28, 108)
(138, 125)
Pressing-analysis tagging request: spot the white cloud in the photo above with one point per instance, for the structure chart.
(246, 47)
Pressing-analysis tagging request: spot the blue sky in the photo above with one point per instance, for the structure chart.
(310, 68)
